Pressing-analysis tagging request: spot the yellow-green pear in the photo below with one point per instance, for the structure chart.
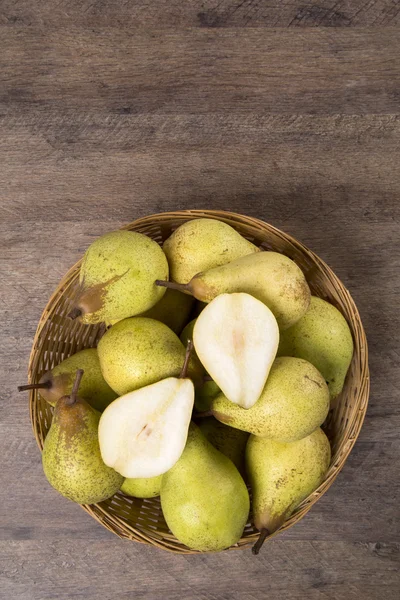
(282, 475)
(142, 487)
(117, 277)
(294, 402)
(323, 337)
(137, 352)
(272, 278)
(173, 309)
(71, 455)
(201, 244)
(205, 394)
(207, 389)
(231, 442)
(58, 381)
(204, 499)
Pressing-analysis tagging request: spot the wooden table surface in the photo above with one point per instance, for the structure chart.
(288, 111)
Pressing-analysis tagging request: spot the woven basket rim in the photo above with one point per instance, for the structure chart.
(121, 527)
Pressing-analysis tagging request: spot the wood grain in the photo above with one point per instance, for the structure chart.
(202, 13)
(202, 70)
(110, 111)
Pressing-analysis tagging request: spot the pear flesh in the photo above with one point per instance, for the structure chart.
(200, 244)
(58, 381)
(71, 455)
(236, 339)
(272, 278)
(117, 277)
(143, 487)
(282, 475)
(323, 337)
(294, 402)
(143, 433)
(204, 500)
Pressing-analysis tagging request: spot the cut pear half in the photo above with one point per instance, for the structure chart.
(236, 338)
(144, 432)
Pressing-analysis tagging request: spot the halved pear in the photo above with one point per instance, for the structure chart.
(143, 433)
(236, 338)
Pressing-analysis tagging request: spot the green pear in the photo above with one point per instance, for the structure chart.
(58, 381)
(294, 402)
(202, 244)
(208, 389)
(231, 442)
(142, 487)
(173, 309)
(323, 337)
(137, 352)
(71, 455)
(187, 334)
(272, 278)
(205, 394)
(282, 475)
(204, 500)
(117, 277)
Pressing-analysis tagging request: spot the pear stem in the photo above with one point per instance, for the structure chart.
(173, 285)
(203, 414)
(189, 349)
(45, 385)
(257, 546)
(74, 313)
(75, 387)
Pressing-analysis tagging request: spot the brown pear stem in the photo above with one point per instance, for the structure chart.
(75, 387)
(45, 385)
(189, 349)
(203, 414)
(74, 313)
(257, 546)
(181, 287)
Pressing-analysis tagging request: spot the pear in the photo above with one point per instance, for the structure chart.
(323, 337)
(143, 433)
(142, 488)
(236, 338)
(205, 394)
(58, 381)
(173, 309)
(294, 402)
(71, 455)
(186, 335)
(137, 352)
(282, 475)
(272, 278)
(117, 277)
(207, 389)
(204, 500)
(201, 244)
(231, 442)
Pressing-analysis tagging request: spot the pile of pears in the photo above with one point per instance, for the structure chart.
(213, 378)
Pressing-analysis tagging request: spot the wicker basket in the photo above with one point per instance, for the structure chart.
(58, 337)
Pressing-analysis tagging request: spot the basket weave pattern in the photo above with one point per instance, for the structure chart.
(58, 337)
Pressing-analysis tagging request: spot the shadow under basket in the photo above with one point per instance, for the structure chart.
(58, 337)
